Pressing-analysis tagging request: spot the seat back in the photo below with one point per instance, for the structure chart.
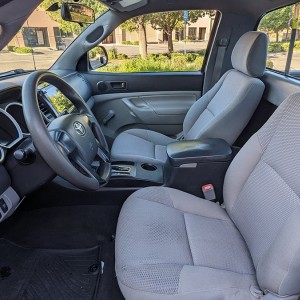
(261, 193)
(225, 110)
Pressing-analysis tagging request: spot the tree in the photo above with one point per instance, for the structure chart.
(276, 21)
(139, 24)
(168, 21)
(70, 26)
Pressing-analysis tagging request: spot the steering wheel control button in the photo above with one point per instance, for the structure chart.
(79, 128)
(3, 205)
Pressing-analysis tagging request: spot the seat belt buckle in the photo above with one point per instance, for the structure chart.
(209, 192)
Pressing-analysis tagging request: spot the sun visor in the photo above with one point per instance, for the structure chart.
(124, 5)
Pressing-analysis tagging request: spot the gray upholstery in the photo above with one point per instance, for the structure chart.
(171, 245)
(226, 109)
(261, 192)
(136, 144)
(254, 47)
(223, 112)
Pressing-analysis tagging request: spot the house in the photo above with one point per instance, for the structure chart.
(198, 31)
(41, 31)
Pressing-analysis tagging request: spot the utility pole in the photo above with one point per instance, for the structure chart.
(185, 19)
(294, 25)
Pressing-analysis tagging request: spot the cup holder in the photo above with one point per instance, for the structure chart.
(149, 167)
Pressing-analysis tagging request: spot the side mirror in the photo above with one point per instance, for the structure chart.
(77, 13)
(98, 57)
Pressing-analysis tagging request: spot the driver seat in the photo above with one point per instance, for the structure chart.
(223, 112)
(172, 245)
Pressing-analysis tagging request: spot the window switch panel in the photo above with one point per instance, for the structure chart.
(3, 205)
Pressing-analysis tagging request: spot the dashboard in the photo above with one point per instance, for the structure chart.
(13, 128)
(52, 103)
(19, 178)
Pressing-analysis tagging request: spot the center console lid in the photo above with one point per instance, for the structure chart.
(199, 151)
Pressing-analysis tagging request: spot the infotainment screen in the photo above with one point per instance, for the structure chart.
(57, 99)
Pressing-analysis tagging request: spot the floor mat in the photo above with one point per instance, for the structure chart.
(67, 227)
(48, 274)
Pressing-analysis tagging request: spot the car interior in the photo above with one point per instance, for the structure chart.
(152, 185)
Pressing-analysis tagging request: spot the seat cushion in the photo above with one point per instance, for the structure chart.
(140, 145)
(170, 244)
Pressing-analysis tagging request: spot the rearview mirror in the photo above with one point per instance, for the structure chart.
(77, 13)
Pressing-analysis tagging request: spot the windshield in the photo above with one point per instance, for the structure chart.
(42, 39)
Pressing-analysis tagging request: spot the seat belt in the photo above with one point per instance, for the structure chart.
(180, 136)
(222, 46)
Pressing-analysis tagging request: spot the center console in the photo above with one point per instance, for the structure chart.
(190, 165)
(194, 164)
(129, 174)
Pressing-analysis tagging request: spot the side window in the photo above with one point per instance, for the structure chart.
(282, 28)
(160, 42)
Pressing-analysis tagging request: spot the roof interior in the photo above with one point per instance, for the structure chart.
(241, 7)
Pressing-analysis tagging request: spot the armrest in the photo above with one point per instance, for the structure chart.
(198, 151)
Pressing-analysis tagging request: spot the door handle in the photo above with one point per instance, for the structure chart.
(118, 85)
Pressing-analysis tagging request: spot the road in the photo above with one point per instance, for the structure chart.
(45, 57)
(158, 48)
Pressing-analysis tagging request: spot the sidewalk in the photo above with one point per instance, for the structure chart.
(132, 50)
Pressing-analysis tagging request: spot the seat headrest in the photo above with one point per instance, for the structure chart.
(249, 55)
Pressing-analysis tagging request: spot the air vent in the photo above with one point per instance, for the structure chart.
(45, 112)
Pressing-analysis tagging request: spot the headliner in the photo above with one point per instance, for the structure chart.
(242, 7)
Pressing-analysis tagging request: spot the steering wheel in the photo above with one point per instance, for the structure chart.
(73, 145)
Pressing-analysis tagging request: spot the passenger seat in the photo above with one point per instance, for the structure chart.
(223, 112)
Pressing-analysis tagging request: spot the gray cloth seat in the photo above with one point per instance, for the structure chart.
(223, 112)
(172, 245)
(141, 144)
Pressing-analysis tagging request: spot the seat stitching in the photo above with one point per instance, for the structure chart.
(263, 254)
(229, 108)
(280, 177)
(188, 293)
(280, 120)
(210, 111)
(189, 244)
(201, 266)
(288, 270)
(183, 212)
(138, 137)
(254, 168)
(148, 136)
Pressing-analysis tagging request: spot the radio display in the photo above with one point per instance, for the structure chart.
(57, 99)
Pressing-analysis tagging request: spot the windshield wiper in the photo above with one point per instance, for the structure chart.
(14, 72)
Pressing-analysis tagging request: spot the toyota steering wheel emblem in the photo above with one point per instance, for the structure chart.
(79, 128)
